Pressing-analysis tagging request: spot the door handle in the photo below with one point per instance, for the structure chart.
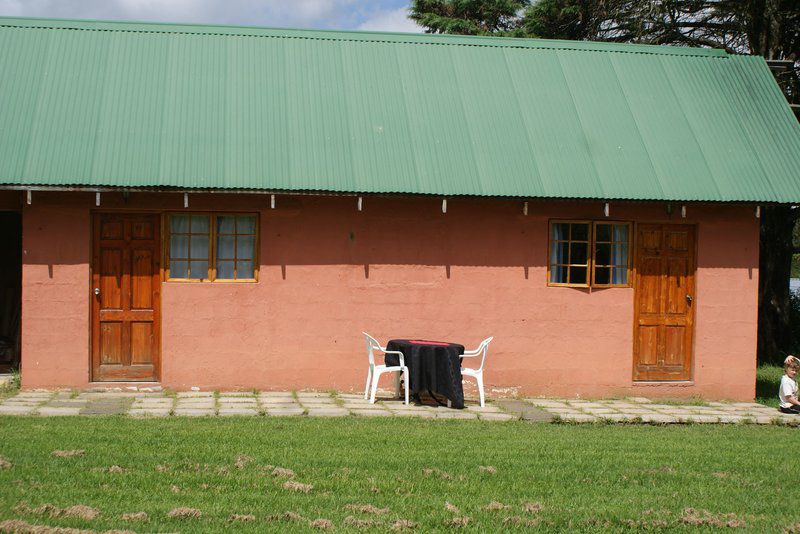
(689, 298)
(97, 292)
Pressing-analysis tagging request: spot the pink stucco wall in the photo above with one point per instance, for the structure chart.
(399, 268)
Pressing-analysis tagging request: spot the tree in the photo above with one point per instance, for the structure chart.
(469, 17)
(769, 28)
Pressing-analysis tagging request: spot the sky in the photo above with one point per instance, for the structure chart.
(376, 15)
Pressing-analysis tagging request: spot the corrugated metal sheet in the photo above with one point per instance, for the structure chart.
(152, 105)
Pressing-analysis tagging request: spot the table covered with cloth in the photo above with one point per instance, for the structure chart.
(433, 366)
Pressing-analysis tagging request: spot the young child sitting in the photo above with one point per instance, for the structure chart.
(788, 390)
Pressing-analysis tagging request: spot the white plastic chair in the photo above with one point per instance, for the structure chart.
(481, 351)
(376, 370)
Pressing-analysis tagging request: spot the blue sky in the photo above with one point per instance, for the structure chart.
(380, 15)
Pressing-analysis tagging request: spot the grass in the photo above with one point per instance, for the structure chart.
(768, 379)
(582, 478)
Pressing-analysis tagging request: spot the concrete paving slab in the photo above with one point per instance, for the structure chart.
(497, 416)
(639, 400)
(66, 404)
(312, 395)
(456, 414)
(372, 413)
(278, 406)
(272, 394)
(15, 402)
(48, 411)
(285, 411)
(277, 401)
(328, 412)
(135, 412)
(237, 394)
(525, 410)
(486, 409)
(616, 417)
(34, 395)
(698, 418)
(658, 418)
(578, 417)
(194, 394)
(16, 410)
(586, 405)
(209, 403)
(237, 411)
(243, 401)
(546, 403)
(350, 395)
(730, 418)
(600, 411)
(188, 412)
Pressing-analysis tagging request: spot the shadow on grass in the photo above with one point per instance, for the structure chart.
(768, 379)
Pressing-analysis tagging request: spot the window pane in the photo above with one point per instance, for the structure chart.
(200, 224)
(244, 269)
(578, 253)
(620, 276)
(602, 276)
(199, 269)
(226, 246)
(619, 254)
(245, 247)
(577, 275)
(560, 231)
(179, 269)
(226, 224)
(621, 232)
(178, 246)
(559, 251)
(602, 254)
(224, 270)
(580, 232)
(558, 274)
(603, 232)
(246, 224)
(199, 246)
(179, 224)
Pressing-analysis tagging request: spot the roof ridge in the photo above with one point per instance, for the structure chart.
(354, 36)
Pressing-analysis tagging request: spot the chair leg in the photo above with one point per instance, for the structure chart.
(480, 388)
(397, 383)
(405, 381)
(375, 377)
(369, 379)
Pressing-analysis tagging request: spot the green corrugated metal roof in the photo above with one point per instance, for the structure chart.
(163, 105)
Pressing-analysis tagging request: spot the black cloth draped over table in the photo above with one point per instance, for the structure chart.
(432, 366)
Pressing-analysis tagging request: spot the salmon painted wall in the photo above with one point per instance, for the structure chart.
(399, 268)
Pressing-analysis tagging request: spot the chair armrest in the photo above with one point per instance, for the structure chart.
(399, 355)
(470, 354)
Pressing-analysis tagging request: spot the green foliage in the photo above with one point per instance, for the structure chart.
(469, 17)
(574, 478)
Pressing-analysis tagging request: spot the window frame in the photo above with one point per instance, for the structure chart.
(629, 282)
(590, 275)
(212, 246)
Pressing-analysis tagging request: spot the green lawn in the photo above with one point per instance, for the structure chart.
(583, 477)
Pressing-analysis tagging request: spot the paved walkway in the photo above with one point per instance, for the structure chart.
(199, 404)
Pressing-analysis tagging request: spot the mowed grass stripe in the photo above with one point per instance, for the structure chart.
(585, 477)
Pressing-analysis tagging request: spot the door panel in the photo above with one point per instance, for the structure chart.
(126, 313)
(664, 302)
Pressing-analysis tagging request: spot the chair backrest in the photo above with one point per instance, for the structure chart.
(484, 349)
(372, 344)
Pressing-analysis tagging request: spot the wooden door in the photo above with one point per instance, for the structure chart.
(664, 302)
(126, 297)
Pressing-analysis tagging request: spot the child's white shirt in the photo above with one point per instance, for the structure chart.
(788, 389)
